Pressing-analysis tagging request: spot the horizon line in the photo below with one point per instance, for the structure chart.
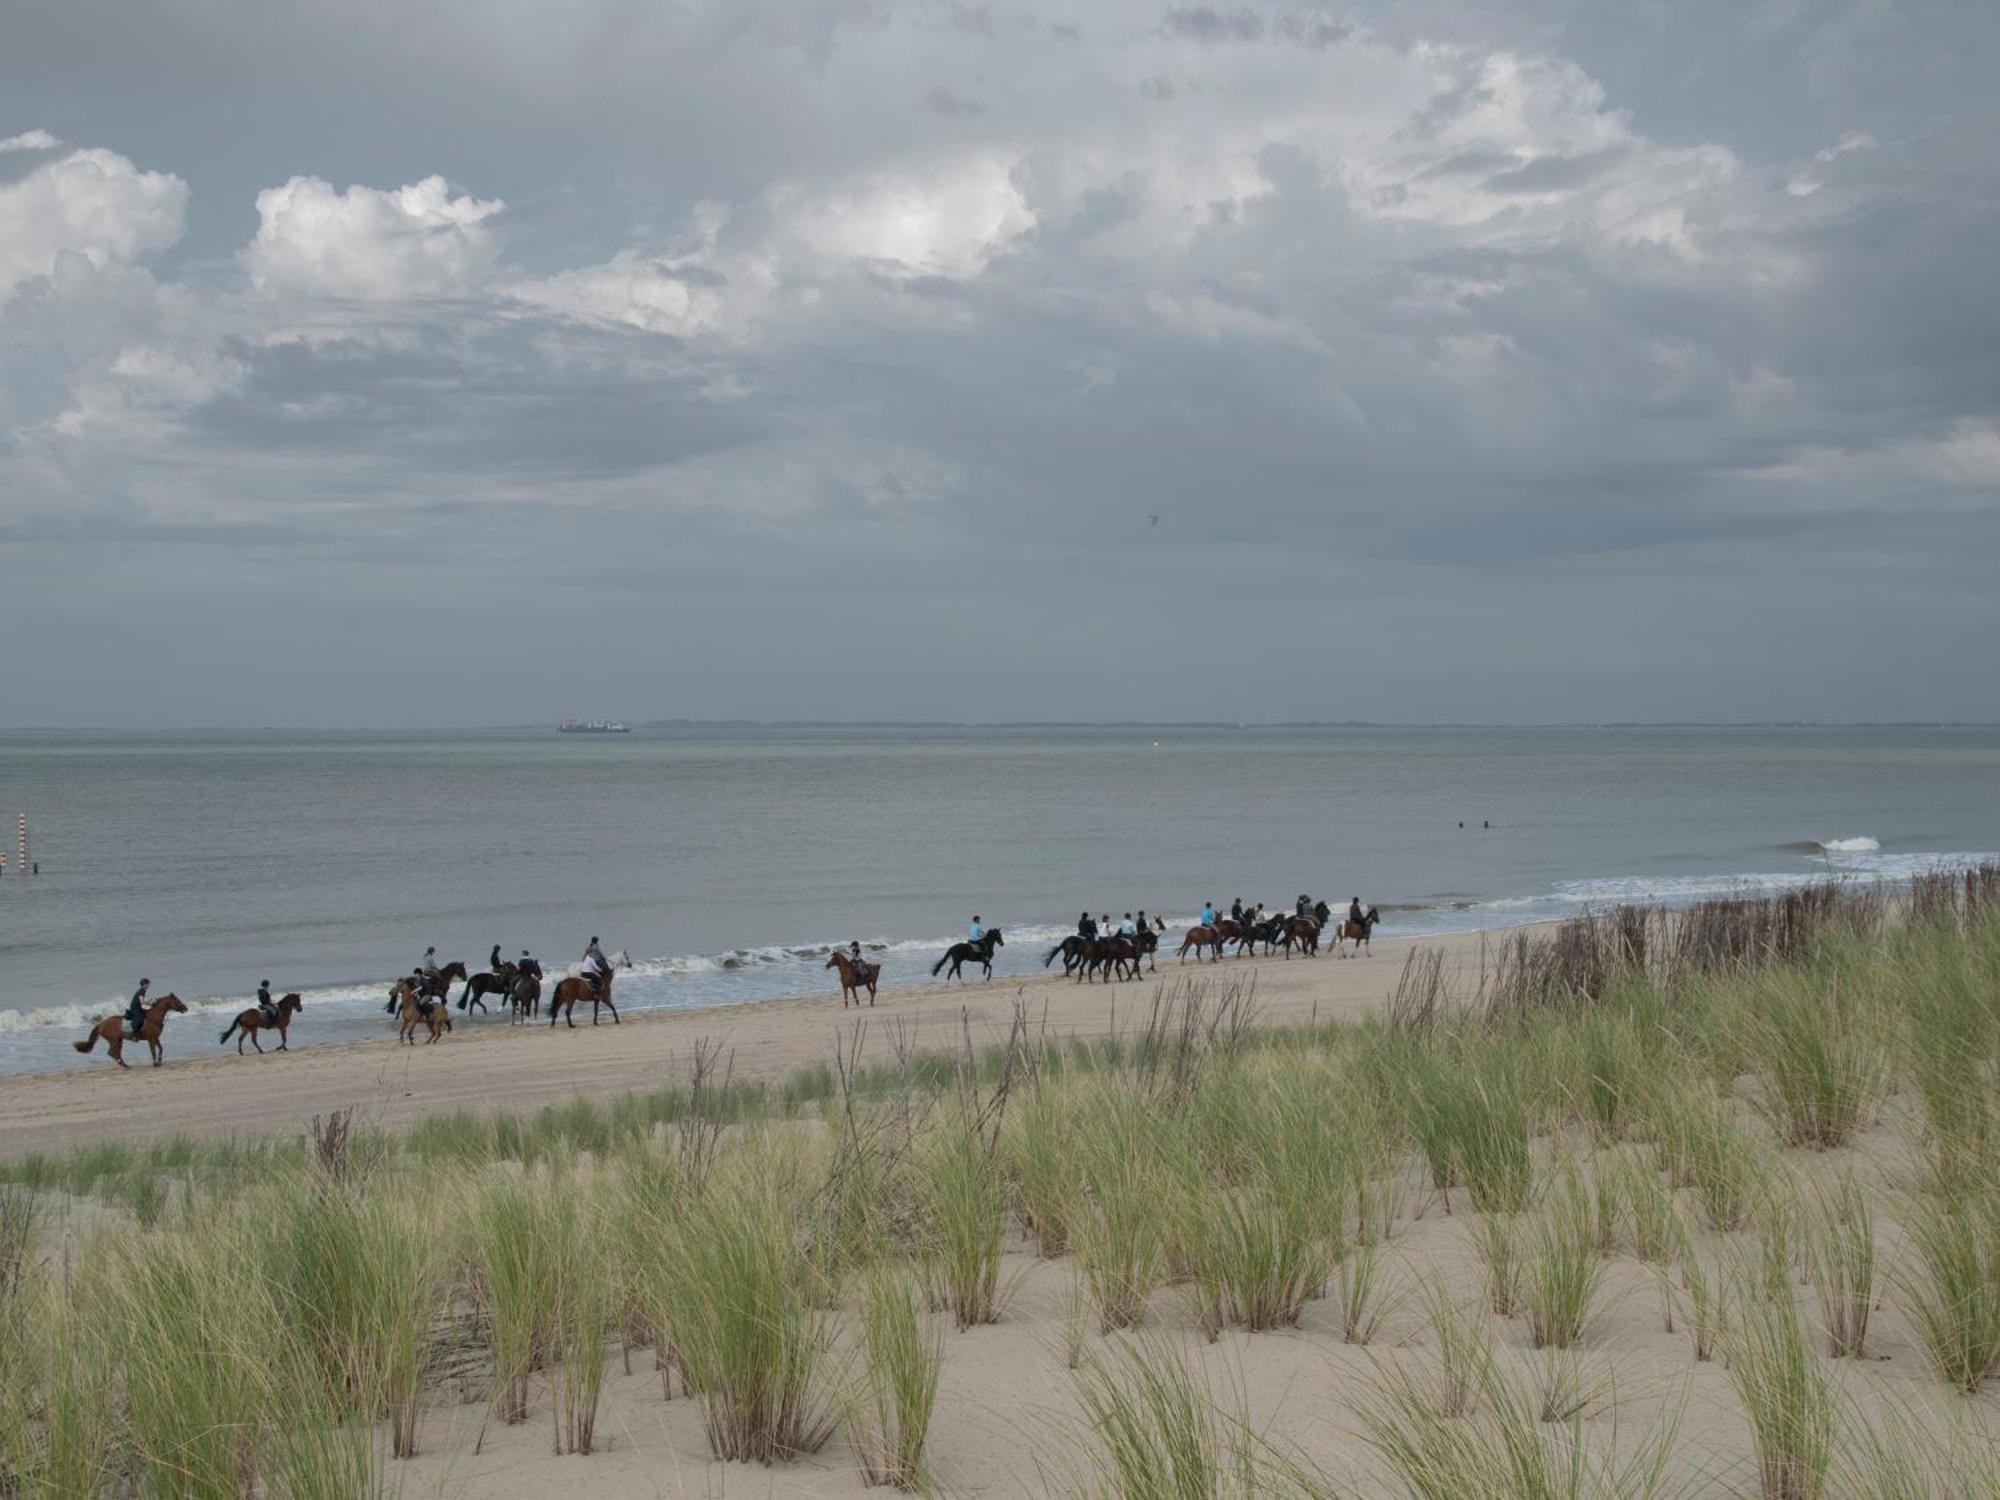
(638, 725)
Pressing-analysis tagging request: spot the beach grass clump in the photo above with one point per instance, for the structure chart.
(1047, 1178)
(1511, 1447)
(1647, 1201)
(1786, 1394)
(1840, 1263)
(1155, 1432)
(1496, 1238)
(1951, 1285)
(1817, 1052)
(190, 1355)
(57, 1435)
(579, 1297)
(358, 1276)
(512, 1266)
(1464, 1350)
(749, 1340)
(1949, 1031)
(902, 1362)
(1561, 1270)
(1720, 1165)
(1250, 1269)
(968, 1218)
(1121, 1233)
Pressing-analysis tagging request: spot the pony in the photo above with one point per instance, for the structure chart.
(981, 953)
(419, 1009)
(253, 1020)
(1357, 932)
(855, 976)
(1200, 937)
(112, 1029)
(563, 998)
(500, 982)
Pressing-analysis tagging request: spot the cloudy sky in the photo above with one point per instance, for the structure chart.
(373, 364)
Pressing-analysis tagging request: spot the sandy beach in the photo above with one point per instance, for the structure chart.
(488, 1063)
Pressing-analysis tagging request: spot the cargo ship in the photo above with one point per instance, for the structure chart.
(592, 726)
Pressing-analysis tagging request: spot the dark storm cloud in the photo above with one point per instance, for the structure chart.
(1554, 359)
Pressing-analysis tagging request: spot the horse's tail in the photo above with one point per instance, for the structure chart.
(88, 1042)
(226, 1034)
(1052, 955)
(940, 963)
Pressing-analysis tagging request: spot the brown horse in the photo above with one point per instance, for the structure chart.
(1200, 937)
(855, 976)
(418, 1009)
(112, 1029)
(526, 997)
(253, 1020)
(1302, 932)
(562, 1000)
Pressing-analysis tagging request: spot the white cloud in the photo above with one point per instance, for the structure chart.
(415, 240)
(89, 202)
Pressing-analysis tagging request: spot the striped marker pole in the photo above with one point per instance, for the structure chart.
(24, 866)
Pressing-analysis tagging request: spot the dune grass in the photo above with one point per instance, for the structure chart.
(275, 1317)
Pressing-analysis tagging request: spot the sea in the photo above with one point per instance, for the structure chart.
(726, 860)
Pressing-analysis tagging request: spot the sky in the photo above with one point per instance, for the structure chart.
(462, 364)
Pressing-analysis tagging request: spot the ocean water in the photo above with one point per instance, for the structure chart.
(725, 861)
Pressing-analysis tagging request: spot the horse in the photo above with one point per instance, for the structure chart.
(1114, 955)
(500, 982)
(981, 953)
(1357, 932)
(526, 996)
(1071, 948)
(563, 998)
(435, 986)
(1200, 937)
(253, 1020)
(855, 976)
(112, 1029)
(419, 1009)
(1300, 931)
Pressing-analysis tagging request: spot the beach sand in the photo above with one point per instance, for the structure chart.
(488, 1063)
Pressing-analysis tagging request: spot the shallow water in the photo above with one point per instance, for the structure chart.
(724, 862)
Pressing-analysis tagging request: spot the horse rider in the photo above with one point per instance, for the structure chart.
(860, 965)
(1236, 911)
(494, 963)
(1085, 928)
(266, 1004)
(427, 971)
(1126, 928)
(1304, 907)
(1354, 912)
(1208, 913)
(975, 934)
(1104, 925)
(1144, 925)
(596, 967)
(135, 1009)
(528, 967)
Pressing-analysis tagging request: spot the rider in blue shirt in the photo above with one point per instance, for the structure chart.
(975, 932)
(1208, 913)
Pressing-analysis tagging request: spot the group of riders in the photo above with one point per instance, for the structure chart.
(1099, 946)
(518, 982)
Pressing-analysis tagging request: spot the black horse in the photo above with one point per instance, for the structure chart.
(1071, 948)
(500, 982)
(960, 954)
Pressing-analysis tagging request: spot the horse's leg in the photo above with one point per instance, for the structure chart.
(118, 1051)
(253, 1042)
